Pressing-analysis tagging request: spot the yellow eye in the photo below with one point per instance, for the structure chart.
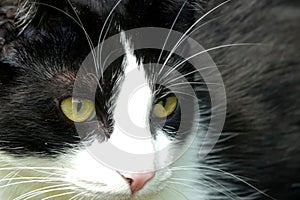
(78, 110)
(165, 107)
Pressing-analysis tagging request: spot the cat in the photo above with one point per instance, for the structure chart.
(52, 113)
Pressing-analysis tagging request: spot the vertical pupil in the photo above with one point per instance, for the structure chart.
(164, 101)
(79, 105)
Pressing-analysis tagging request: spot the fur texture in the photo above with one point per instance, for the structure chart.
(257, 155)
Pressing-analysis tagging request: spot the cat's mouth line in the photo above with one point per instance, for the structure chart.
(126, 190)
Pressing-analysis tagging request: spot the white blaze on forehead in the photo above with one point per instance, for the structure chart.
(131, 131)
(130, 147)
(138, 106)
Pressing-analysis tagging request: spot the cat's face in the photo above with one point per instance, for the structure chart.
(56, 119)
(52, 131)
(97, 102)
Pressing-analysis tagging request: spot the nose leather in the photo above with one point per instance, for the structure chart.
(138, 180)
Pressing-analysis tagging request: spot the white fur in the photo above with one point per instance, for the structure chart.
(86, 178)
(85, 174)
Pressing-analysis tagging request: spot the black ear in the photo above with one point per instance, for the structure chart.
(44, 15)
(6, 73)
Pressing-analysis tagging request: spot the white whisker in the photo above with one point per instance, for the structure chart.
(101, 32)
(90, 42)
(226, 191)
(193, 83)
(198, 168)
(30, 181)
(78, 195)
(208, 50)
(191, 27)
(79, 23)
(32, 168)
(187, 74)
(205, 185)
(35, 192)
(24, 178)
(58, 195)
(173, 24)
(215, 48)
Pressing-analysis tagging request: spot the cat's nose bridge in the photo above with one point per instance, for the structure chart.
(137, 181)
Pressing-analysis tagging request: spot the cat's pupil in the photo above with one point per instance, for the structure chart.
(79, 105)
(164, 100)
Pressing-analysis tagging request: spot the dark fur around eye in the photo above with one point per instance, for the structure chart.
(259, 66)
(168, 125)
(40, 66)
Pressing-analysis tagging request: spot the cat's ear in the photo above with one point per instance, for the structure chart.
(35, 15)
(6, 73)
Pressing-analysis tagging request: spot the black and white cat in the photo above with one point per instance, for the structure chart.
(48, 127)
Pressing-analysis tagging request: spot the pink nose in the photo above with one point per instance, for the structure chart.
(137, 181)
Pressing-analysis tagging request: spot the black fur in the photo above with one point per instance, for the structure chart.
(262, 87)
(260, 139)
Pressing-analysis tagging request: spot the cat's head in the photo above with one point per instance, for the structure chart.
(54, 110)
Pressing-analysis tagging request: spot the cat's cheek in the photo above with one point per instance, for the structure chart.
(89, 174)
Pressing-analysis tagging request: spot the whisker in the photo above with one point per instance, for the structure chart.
(89, 40)
(99, 53)
(48, 191)
(193, 83)
(32, 168)
(216, 170)
(24, 178)
(48, 172)
(226, 191)
(190, 73)
(205, 185)
(31, 181)
(109, 55)
(172, 26)
(79, 23)
(194, 30)
(101, 32)
(198, 168)
(182, 184)
(186, 94)
(191, 27)
(58, 195)
(77, 195)
(38, 190)
(15, 173)
(186, 36)
(208, 50)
